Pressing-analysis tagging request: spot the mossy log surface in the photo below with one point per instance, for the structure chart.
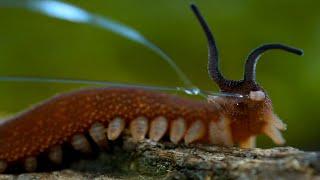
(150, 160)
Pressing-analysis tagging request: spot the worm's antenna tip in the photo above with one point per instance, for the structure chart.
(193, 7)
(294, 50)
(300, 52)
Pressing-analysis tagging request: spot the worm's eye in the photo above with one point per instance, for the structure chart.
(257, 95)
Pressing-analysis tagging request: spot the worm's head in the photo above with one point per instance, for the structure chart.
(252, 113)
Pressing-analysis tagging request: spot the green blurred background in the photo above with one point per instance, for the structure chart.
(35, 45)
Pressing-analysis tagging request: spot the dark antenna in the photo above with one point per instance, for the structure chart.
(250, 67)
(213, 63)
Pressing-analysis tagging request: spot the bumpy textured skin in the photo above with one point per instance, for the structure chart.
(56, 120)
(247, 117)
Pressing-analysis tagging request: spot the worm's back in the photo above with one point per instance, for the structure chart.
(58, 119)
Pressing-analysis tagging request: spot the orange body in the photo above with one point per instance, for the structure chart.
(55, 121)
(58, 119)
(67, 117)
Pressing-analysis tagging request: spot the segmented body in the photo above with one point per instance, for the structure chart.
(57, 120)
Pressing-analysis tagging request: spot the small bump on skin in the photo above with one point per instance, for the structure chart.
(195, 132)
(257, 95)
(158, 128)
(98, 134)
(56, 154)
(3, 166)
(177, 130)
(274, 133)
(115, 128)
(80, 143)
(139, 128)
(220, 132)
(30, 164)
(249, 143)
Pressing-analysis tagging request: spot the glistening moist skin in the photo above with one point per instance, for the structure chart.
(102, 115)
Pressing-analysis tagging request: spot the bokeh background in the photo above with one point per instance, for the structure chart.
(36, 45)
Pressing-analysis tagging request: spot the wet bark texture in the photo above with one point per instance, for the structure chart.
(150, 160)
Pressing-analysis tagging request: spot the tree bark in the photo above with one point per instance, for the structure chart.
(150, 160)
